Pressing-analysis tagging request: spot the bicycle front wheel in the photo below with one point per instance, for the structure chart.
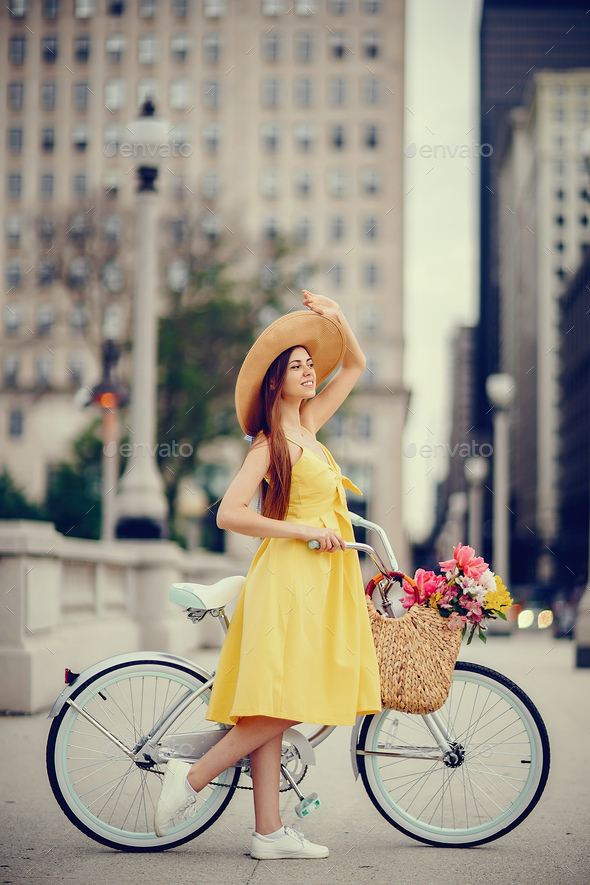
(108, 796)
(497, 777)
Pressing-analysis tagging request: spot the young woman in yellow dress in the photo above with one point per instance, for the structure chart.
(299, 646)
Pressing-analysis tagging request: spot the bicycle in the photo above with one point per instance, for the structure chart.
(462, 776)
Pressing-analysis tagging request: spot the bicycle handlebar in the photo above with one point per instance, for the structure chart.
(366, 548)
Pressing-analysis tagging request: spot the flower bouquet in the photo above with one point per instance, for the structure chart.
(466, 592)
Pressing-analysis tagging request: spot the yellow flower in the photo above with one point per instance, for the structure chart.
(433, 601)
(498, 600)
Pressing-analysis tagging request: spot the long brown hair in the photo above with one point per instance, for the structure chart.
(275, 493)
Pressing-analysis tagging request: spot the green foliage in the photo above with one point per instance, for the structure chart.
(13, 501)
(73, 493)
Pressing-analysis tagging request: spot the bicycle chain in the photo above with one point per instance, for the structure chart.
(240, 787)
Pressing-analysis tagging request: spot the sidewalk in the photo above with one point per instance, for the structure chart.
(552, 847)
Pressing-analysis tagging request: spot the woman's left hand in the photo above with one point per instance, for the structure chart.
(321, 304)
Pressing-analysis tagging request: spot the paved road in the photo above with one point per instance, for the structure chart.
(552, 847)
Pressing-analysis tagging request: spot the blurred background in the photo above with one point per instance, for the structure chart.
(174, 172)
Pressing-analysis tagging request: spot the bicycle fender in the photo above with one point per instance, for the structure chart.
(354, 737)
(127, 658)
(304, 748)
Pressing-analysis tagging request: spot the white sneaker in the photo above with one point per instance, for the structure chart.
(293, 845)
(174, 803)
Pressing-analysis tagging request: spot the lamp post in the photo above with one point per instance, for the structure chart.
(501, 390)
(476, 472)
(141, 504)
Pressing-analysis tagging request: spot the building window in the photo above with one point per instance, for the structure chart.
(559, 167)
(18, 8)
(337, 183)
(364, 425)
(212, 137)
(44, 370)
(558, 114)
(335, 274)
(80, 137)
(50, 9)
(303, 182)
(180, 8)
(180, 93)
(115, 45)
(560, 220)
(147, 88)
(303, 229)
(371, 7)
(80, 185)
(271, 228)
(214, 8)
(17, 49)
(273, 7)
(371, 228)
(370, 181)
(210, 184)
(115, 7)
(49, 50)
(270, 182)
(46, 273)
(560, 194)
(114, 94)
(48, 96)
(147, 49)
(304, 47)
(12, 318)
(46, 230)
(338, 92)
(371, 43)
(177, 227)
(81, 94)
(272, 47)
(213, 47)
(306, 7)
(148, 8)
(271, 136)
(337, 228)
(584, 220)
(371, 136)
(14, 185)
(180, 47)
(113, 137)
(15, 140)
(371, 91)
(211, 94)
(179, 137)
(45, 319)
(47, 185)
(78, 273)
(82, 49)
(13, 274)
(370, 319)
(304, 136)
(338, 7)
(111, 228)
(15, 423)
(75, 367)
(370, 274)
(48, 139)
(339, 44)
(15, 94)
(338, 137)
(12, 229)
(84, 8)
(78, 318)
(303, 92)
(271, 89)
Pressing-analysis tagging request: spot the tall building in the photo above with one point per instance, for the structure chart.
(544, 232)
(517, 38)
(286, 119)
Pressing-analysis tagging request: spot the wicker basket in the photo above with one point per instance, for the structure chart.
(416, 655)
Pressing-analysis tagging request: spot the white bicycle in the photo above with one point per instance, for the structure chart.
(460, 777)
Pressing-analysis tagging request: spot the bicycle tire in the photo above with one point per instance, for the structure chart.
(502, 775)
(105, 794)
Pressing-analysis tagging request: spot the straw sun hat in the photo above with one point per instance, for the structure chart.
(323, 339)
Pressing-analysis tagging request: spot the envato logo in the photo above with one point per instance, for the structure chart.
(163, 450)
(464, 450)
(433, 151)
(141, 151)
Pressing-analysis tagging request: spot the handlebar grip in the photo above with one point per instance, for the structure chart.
(313, 545)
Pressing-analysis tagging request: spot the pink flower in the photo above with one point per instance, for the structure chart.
(428, 583)
(465, 559)
(456, 621)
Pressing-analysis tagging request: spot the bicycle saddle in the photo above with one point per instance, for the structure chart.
(206, 596)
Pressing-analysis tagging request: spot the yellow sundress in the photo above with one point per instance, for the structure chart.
(299, 645)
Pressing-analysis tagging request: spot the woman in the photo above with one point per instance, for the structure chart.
(299, 646)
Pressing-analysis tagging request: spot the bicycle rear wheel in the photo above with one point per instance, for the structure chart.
(103, 792)
(498, 777)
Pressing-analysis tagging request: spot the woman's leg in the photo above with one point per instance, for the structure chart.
(250, 733)
(265, 764)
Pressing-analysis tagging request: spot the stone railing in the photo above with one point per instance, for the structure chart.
(67, 602)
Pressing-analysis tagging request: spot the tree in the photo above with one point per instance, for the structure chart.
(74, 488)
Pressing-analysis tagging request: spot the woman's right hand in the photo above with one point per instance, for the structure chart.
(327, 538)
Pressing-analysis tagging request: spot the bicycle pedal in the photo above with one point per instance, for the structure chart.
(307, 805)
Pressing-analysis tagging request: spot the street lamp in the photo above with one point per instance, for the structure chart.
(501, 390)
(476, 471)
(141, 504)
